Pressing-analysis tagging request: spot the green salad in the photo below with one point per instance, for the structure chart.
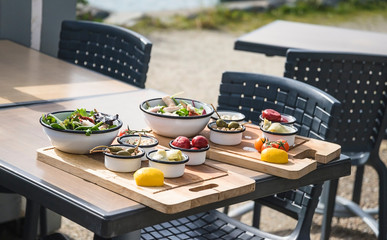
(82, 120)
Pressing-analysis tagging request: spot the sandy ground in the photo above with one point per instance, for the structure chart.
(193, 62)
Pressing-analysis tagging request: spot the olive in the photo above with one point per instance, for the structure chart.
(221, 123)
(233, 125)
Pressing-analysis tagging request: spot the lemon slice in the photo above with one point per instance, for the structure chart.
(149, 177)
(274, 155)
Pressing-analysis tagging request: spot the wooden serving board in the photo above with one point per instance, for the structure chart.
(303, 156)
(199, 185)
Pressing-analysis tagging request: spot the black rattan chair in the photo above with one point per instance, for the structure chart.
(359, 81)
(216, 225)
(111, 50)
(251, 93)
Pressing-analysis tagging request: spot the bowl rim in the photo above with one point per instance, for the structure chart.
(282, 134)
(293, 119)
(123, 156)
(189, 150)
(243, 117)
(177, 117)
(167, 162)
(221, 131)
(119, 139)
(119, 125)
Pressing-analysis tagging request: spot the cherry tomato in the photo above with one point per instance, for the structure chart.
(280, 144)
(258, 143)
(267, 144)
(271, 115)
(284, 145)
(123, 132)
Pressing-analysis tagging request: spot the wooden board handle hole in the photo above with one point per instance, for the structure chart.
(205, 187)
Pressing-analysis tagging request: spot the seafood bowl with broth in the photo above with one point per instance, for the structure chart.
(172, 117)
(78, 131)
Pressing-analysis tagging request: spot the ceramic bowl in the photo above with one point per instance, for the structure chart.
(196, 156)
(289, 137)
(229, 116)
(223, 137)
(75, 141)
(285, 119)
(171, 169)
(148, 143)
(121, 163)
(173, 126)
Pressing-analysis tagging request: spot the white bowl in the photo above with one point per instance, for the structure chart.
(171, 169)
(146, 147)
(173, 126)
(229, 116)
(290, 120)
(76, 141)
(289, 137)
(225, 137)
(121, 163)
(196, 156)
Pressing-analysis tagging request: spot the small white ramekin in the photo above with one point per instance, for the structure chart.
(196, 156)
(289, 137)
(147, 148)
(171, 169)
(121, 163)
(225, 137)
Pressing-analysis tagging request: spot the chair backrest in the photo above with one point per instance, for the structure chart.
(111, 50)
(358, 81)
(250, 93)
(315, 113)
(299, 204)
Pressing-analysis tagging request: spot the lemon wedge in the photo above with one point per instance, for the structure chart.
(149, 177)
(274, 155)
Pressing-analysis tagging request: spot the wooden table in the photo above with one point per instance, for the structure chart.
(29, 77)
(276, 38)
(106, 213)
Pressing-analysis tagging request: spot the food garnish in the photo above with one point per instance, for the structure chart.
(129, 131)
(274, 155)
(174, 108)
(149, 177)
(88, 121)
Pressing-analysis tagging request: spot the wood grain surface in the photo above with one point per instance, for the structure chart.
(199, 185)
(29, 76)
(303, 157)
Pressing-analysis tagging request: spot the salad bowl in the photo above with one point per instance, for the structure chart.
(77, 141)
(173, 125)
